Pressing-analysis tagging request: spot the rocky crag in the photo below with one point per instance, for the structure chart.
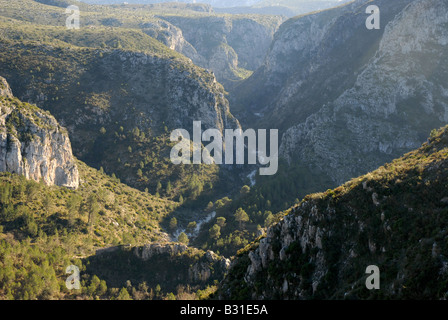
(230, 46)
(33, 144)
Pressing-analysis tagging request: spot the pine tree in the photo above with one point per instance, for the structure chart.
(245, 189)
(124, 295)
(183, 238)
(215, 232)
(269, 220)
(241, 216)
(169, 187)
(173, 223)
(47, 203)
(191, 227)
(221, 221)
(73, 204)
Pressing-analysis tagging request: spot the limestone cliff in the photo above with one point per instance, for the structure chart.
(5, 90)
(398, 97)
(33, 144)
(172, 37)
(227, 45)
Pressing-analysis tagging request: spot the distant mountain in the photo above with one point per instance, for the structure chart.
(297, 7)
(395, 218)
(232, 46)
(214, 3)
(271, 7)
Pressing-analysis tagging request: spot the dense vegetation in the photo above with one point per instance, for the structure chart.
(45, 229)
(131, 151)
(63, 71)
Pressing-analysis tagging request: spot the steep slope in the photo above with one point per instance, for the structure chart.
(312, 60)
(394, 217)
(348, 99)
(230, 45)
(397, 98)
(33, 144)
(119, 104)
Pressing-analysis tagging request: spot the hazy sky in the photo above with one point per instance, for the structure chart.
(217, 3)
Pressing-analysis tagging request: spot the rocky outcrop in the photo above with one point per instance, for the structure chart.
(5, 90)
(33, 144)
(301, 232)
(199, 271)
(226, 45)
(150, 250)
(172, 37)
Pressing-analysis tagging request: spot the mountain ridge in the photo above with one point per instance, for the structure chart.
(393, 217)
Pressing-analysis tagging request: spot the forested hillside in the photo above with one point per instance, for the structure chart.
(394, 217)
(45, 228)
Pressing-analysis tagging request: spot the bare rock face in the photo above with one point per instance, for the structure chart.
(220, 43)
(150, 250)
(33, 144)
(172, 37)
(396, 100)
(5, 90)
